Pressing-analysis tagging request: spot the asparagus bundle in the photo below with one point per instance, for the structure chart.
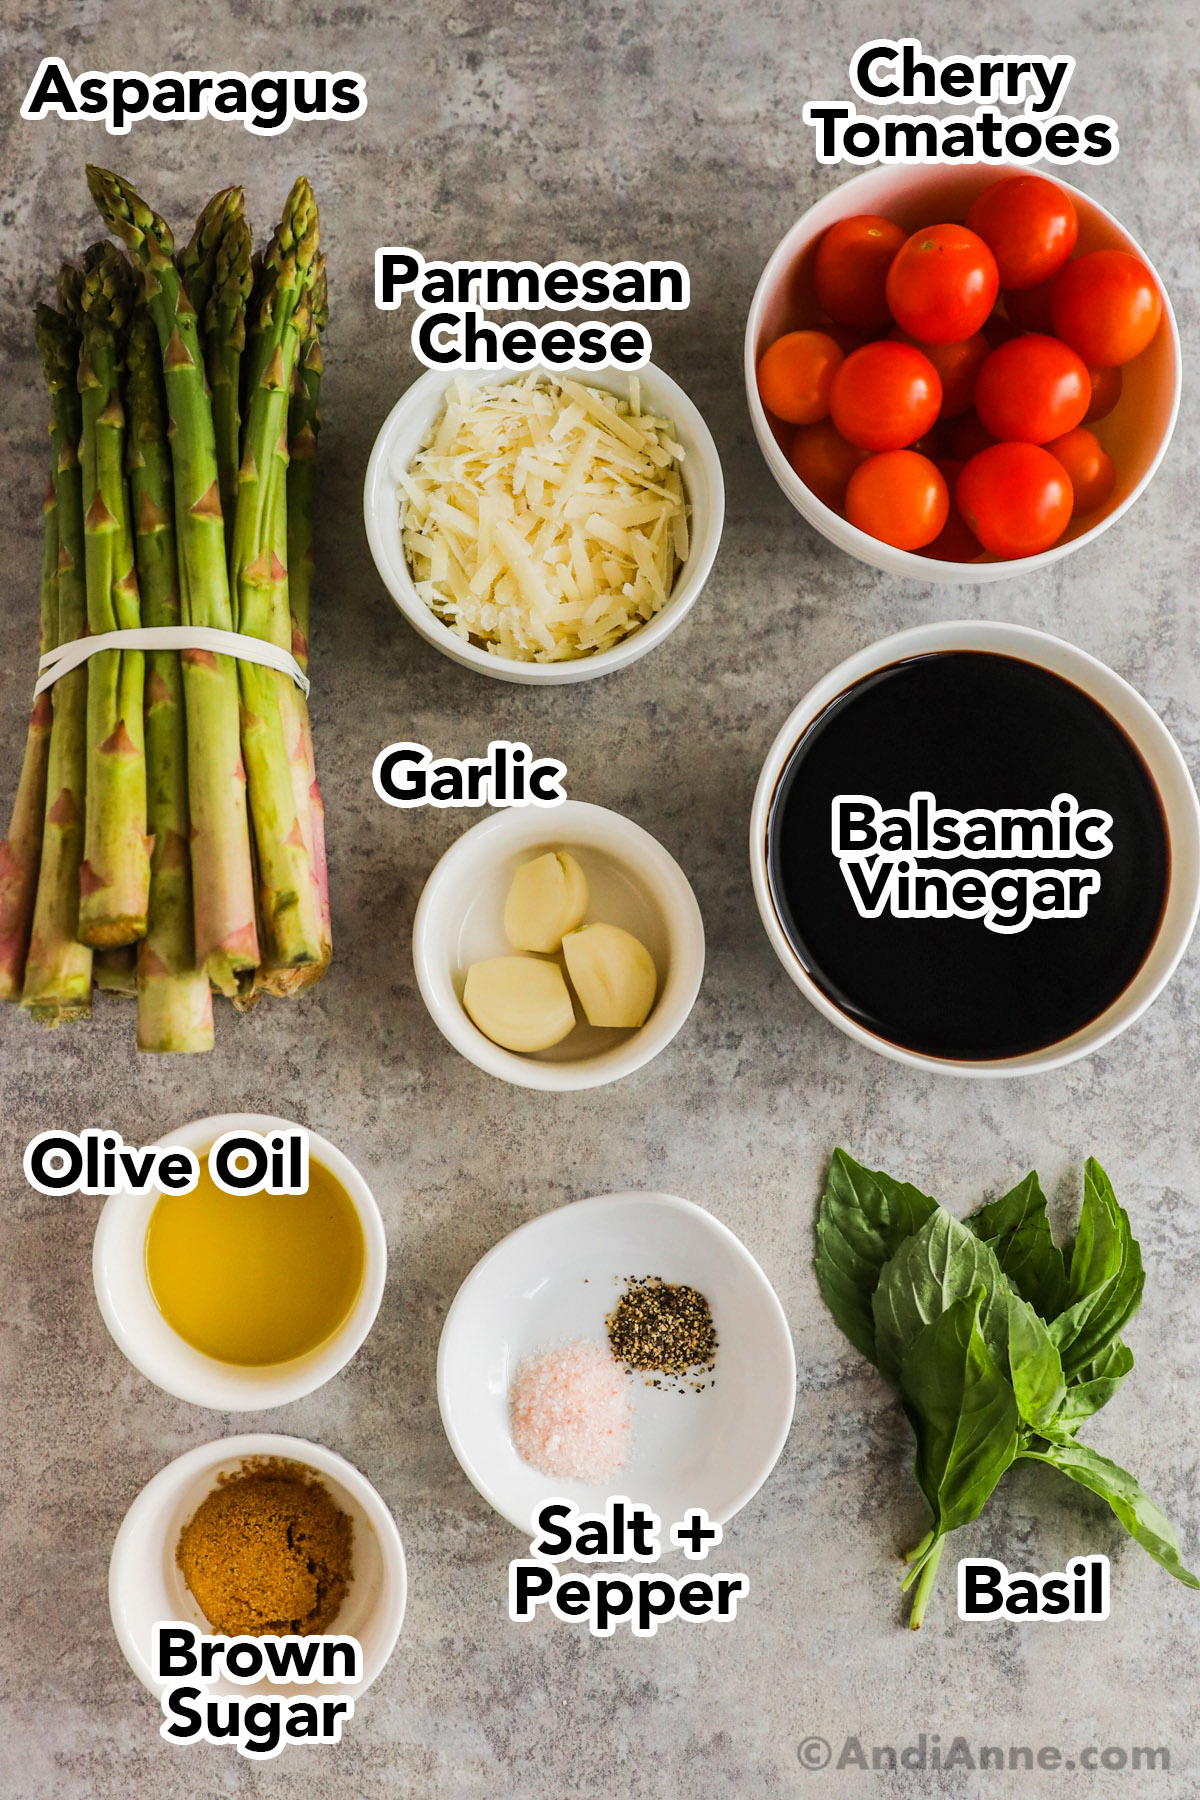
(168, 812)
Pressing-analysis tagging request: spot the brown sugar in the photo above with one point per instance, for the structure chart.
(267, 1552)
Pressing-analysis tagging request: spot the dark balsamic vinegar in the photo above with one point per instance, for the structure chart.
(978, 730)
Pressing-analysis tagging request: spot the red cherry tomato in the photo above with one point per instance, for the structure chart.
(970, 438)
(1016, 498)
(795, 375)
(885, 396)
(1032, 389)
(851, 268)
(1029, 308)
(957, 366)
(824, 461)
(1106, 391)
(943, 284)
(1107, 306)
(1091, 469)
(898, 497)
(1029, 225)
(955, 542)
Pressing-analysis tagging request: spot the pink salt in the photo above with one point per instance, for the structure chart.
(570, 1412)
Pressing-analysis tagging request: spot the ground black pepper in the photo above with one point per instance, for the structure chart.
(659, 1328)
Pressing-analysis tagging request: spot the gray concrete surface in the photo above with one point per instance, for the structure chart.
(529, 129)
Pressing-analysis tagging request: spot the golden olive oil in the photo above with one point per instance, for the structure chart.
(258, 1278)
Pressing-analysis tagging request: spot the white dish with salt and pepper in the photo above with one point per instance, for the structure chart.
(708, 1441)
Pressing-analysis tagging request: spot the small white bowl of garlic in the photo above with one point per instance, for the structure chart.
(558, 948)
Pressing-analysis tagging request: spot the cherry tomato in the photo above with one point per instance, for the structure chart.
(824, 461)
(795, 375)
(943, 284)
(957, 366)
(1107, 306)
(970, 438)
(898, 497)
(885, 396)
(1032, 389)
(1106, 391)
(955, 542)
(1029, 308)
(1028, 224)
(1092, 471)
(851, 268)
(1016, 498)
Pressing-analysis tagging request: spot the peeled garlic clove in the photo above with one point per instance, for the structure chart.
(548, 898)
(613, 974)
(519, 1002)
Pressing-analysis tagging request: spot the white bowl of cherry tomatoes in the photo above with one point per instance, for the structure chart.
(961, 374)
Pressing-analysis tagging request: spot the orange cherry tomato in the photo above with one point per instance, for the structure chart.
(1106, 391)
(824, 461)
(900, 498)
(885, 396)
(942, 285)
(955, 542)
(970, 438)
(1092, 470)
(1029, 308)
(1032, 389)
(850, 272)
(795, 375)
(1107, 306)
(1029, 225)
(1016, 498)
(957, 366)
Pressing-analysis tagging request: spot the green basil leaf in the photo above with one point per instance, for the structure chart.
(1105, 1279)
(864, 1217)
(1017, 1227)
(1035, 1367)
(962, 1411)
(1141, 1516)
(1096, 1386)
(939, 1264)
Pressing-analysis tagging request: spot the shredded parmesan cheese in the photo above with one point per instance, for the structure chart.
(543, 519)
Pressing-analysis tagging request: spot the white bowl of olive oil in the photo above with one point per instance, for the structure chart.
(247, 1301)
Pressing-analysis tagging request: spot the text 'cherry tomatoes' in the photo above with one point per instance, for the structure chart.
(1032, 389)
(1090, 467)
(1016, 498)
(795, 375)
(900, 498)
(1107, 306)
(850, 272)
(824, 461)
(885, 396)
(943, 284)
(1029, 225)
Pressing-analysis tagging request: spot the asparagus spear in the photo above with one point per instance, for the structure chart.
(58, 969)
(21, 851)
(224, 342)
(114, 878)
(174, 998)
(272, 727)
(198, 258)
(223, 883)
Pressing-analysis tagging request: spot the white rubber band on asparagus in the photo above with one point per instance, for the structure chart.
(57, 663)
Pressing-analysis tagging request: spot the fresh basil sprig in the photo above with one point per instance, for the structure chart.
(1000, 1342)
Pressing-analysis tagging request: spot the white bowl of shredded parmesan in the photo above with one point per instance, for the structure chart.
(544, 526)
